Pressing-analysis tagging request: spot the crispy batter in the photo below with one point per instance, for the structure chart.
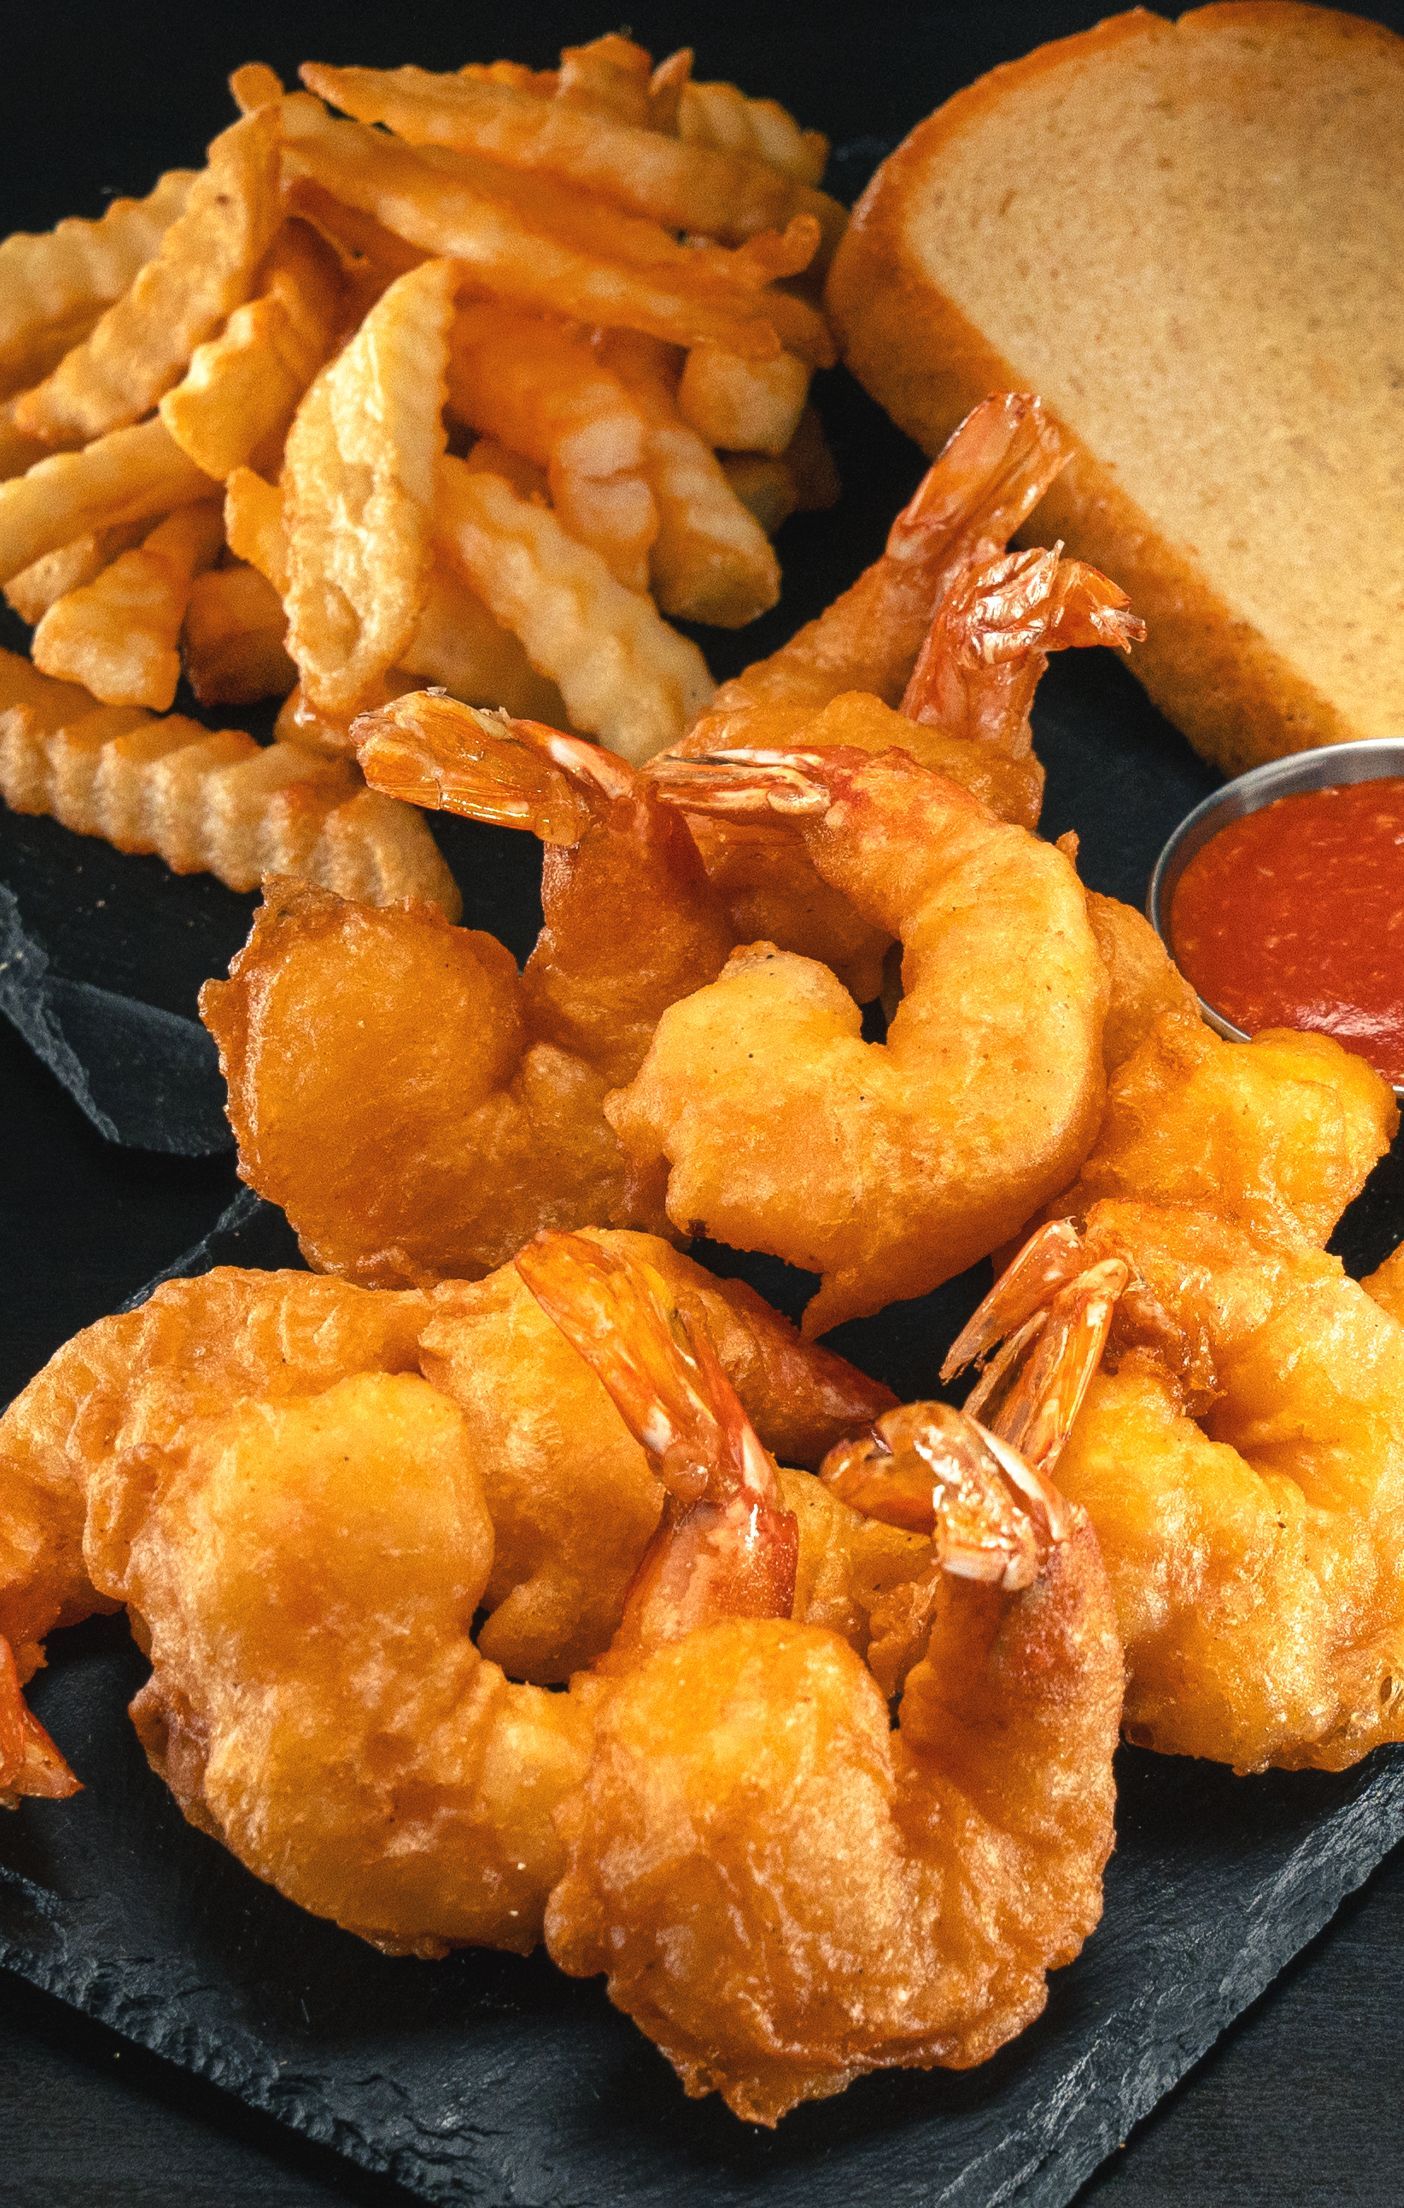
(884, 1167)
(1280, 1133)
(251, 1452)
(486, 1088)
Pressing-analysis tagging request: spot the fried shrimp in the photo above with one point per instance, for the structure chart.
(1242, 1459)
(1279, 1133)
(783, 1891)
(945, 627)
(415, 1105)
(1386, 1285)
(303, 1529)
(885, 1167)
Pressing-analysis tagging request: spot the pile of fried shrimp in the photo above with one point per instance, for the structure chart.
(508, 1577)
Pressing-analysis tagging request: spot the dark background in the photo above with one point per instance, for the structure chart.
(1301, 2102)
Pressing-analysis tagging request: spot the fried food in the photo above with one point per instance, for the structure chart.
(202, 268)
(232, 644)
(242, 387)
(945, 626)
(208, 802)
(286, 313)
(193, 1459)
(1279, 1133)
(1386, 1285)
(359, 491)
(526, 239)
(1241, 1456)
(691, 187)
(625, 676)
(710, 560)
(118, 634)
(783, 1891)
(884, 1167)
(540, 387)
(129, 475)
(54, 284)
(485, 1087)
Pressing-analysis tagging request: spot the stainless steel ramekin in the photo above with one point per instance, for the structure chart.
(1372, 760)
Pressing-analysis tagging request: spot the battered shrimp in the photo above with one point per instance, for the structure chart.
(303, 1528)
(1386, 1285)
(947, 627)
(884, 1167)
(784, 1891)
(572, 1501)
(1280, 1132)
(414, 1104)
(1242, 1459)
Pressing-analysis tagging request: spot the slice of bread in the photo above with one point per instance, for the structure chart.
(1189, 239)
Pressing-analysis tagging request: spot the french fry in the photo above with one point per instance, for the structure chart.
(232, 644)
(625, 676)
(537, 386)
(50, 703)
(31, 593)
(711, 560)
(609, 76)
(128, 475)
(529, 239)
(256, 526)
(54, 284)
(459, 644)
(218, 803)
(370, 253)
(601, 147)
(743, 405)
(379, 852)
(241, 390)
(254, 85)
(720, 115)
(765, 486)
(359, 488)
(202, 269)
(117, 635)
(18, 453)
(489, 455)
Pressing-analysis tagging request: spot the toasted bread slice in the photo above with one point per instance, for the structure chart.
(1189, 238)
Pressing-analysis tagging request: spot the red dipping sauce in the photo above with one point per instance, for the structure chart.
(1293, 916)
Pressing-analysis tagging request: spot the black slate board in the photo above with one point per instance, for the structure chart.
(488, 2078)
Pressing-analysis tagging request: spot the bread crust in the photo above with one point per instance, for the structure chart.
(1238, 700)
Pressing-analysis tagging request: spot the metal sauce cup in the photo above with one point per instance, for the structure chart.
(1375, 759)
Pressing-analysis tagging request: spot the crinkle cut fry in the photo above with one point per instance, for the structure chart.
(55, 283)
(698, 188)
(539, 252)
(202, 268)
(216, 803)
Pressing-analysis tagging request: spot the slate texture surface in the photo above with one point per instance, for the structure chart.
(487, 2078)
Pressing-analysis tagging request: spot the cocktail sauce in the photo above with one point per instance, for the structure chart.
(1293, 916)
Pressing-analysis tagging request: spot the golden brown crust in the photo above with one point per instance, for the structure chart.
(1238, 700)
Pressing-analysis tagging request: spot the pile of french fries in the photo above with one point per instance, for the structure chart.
(481, 381)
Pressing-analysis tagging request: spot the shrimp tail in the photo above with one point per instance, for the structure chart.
(990, 1514)
(727, 1546)
(430, 750)
(991, 473)
(30, 1763)
(988, 644)
(753, 785)
(1040, 1335)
